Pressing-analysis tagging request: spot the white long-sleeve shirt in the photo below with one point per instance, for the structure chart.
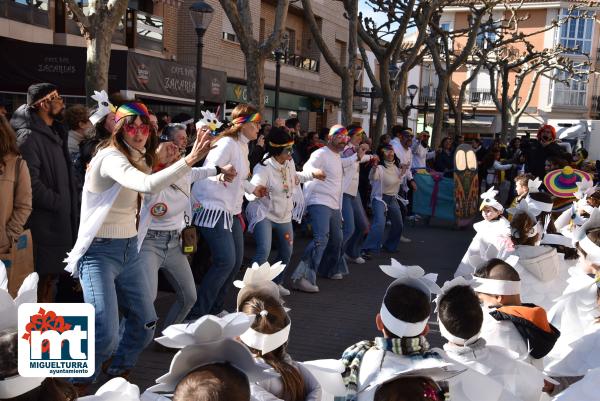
(352, 172)
(280, 180)
(120, 222)
(329, 191)
(405, 156)
(420, 155)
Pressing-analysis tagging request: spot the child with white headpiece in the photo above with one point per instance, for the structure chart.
(460, 318)
(584, 389)
(267, 338)
(542, 271)
(491, 234)
(587, 198)
(518, 327)
(524, 184)
(210, 365)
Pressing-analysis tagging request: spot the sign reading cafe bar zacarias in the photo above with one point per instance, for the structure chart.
(64, 66)
(154, 75)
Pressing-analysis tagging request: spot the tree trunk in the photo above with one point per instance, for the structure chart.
(97, 61)
(346, 103)
(458, 120)
(504, 112)
(379, 124)
(255, 78)
(438, 114)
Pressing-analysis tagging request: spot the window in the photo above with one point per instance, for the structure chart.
(486, 35)
(291, 37)
(261, 30)
(573, 94)
(41, 5)
(342, 51)
(228, 32)
(577, 33)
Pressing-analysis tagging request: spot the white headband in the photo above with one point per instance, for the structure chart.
(400, 327)
(496, 287)
(457, 340)
(266, 342)
(18, 385)
(592, 250)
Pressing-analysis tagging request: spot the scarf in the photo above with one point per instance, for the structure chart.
(353, 356)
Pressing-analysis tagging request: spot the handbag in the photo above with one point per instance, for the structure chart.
(189, 239)
(19, 258)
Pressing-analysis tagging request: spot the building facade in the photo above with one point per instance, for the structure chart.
(154, 53)
(567, 107)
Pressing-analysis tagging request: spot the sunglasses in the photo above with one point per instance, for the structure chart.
(131, 130)
(288, 150)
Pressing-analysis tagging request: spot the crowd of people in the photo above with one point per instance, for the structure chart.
(113, 195)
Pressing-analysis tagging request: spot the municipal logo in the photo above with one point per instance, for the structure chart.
(56, 340)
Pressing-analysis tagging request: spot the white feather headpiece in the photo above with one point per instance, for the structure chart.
(489, 199)
(210, 120)
(104, 106)
(534, 185)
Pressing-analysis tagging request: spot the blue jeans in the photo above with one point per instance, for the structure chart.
(324, 253)
(113, 279)
(375, 239)
(355, 225)
(162, 250)
(227, 251)
(263, 234)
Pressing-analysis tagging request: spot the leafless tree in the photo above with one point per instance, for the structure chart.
(347, 71)
(97, 28)
(255, 52)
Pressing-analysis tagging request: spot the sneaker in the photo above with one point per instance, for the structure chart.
(305, 286)
(405, 240)
(337, 276)
(365, 255)
(358, 260)
(284, 292)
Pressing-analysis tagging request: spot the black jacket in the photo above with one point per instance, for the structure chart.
(537, 155)
(54, 219)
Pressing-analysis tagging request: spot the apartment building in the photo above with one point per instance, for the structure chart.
(567, 107)
(154, 53)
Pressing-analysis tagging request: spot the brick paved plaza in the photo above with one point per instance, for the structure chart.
(324, 324)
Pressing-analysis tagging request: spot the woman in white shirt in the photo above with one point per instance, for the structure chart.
(217, 208)
(385, 181)
(161, 248)
(105, 256)
(272, 215)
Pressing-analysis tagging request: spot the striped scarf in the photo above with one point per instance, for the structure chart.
(353, 356)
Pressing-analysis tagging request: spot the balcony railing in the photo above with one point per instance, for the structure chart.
(149, 31)
(27, 11)
(569, 98)
(299, 61)
(427, 95)
(481, 97)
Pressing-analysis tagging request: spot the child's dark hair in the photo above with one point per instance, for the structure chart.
(51, 389)
(520, 227)
(407, 303)
(277, 135)
(497, 269)
(380, 150)
(275, 320)
(214, 382)
(460, 313)
(541, 218)
(409, 388)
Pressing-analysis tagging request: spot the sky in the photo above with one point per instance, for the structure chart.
(378, 17)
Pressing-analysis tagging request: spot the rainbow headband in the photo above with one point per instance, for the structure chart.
(131, 109)
(338, 131)
(281, 145)
(356, 130)
(252, 118)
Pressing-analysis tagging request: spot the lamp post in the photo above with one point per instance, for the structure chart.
(474, 104)
(279, 53)
(201, 14)
(412, 93)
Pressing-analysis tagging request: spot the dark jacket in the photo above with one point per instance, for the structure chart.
(537, 154)
(54, 219)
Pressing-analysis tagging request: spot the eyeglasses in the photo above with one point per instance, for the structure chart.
(131, 130)
(289, 150)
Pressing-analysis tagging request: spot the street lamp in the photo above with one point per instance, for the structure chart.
(201, 14)
(474, 104)
(279, 52)
(412, 92)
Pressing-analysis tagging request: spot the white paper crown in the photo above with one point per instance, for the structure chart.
(489, 199)
(584, 188)
(410, 274)
(525, 207)
(210, 120)
(580, 236)
(117, 389)
(448, 285)
(8, 306)
(207, 341)
(259, 279)
(534, 185)
(104, 106)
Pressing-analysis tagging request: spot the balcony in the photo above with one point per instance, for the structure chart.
(27, 11)
(359, 104)
(427, 95)
(148, 31)
(480, 97)
(299, 61)
(570, 99)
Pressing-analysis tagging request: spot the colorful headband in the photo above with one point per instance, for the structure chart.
(50, 96)
(281, 145)
(131, 109)
(252, 118)
(337, 130)
(356, 130)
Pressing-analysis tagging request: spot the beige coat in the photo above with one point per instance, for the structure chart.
(15, 204)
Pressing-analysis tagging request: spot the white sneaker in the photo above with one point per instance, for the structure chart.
(284, 292)
(337, 276)
(405, 240)
(304, 285)
(358, 260)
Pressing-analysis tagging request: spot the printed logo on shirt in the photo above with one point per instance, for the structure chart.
(56, 340)
(159, 209)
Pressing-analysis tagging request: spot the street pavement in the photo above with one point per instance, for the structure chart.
(343, 312)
